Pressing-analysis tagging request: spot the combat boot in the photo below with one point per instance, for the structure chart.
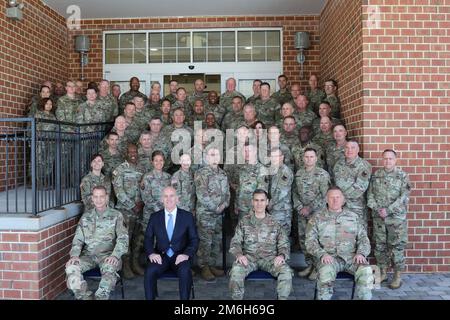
(135, 266)
(217, 272)
(313, 274)
(396, 281)
(305, 272)
(126, 269)
(206, 274)
(383, 275)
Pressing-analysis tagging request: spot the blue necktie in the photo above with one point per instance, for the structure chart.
(170, 233)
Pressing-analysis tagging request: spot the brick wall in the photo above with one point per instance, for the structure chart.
(406, 67)
(32, 263)
(32, 50)
(398, 49)
(290, 24)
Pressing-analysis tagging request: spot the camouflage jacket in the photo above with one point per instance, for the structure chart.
(232, 120)
(152, 185)
(218, 110)
(127, 97)
(212, 190)
(336, 234)
(389, 190)
(335, 103)
(226, 99)
(315, 98)
(333, 155)
(109, 106)
(100, 235)
(126, 182)
(43, 126)
(279, 186)
(268, 111)
(298, 151)
(66, 111)
(111, 161)
(310, 189)
(323, 140)
(90, 181)
(282, 96)
(247, 183)
(260, 238)
(183, 182)
(304, 118)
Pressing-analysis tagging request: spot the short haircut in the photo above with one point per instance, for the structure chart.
(99, 187)
(265, 84)
(130, 103)
(145, 132)
(97, 155)
(155, 118)
(333, 81)
(310, 149)
(238, 97)
(43, 86)
(261, 191)
(339, 124)
(257, 80)
(166, 100)
(283, 76)
(334, 188)
(157, 153)
(133, 78)
(112, 134)
(290, 117)
(181, 88)
(390, 150)
(173, 80)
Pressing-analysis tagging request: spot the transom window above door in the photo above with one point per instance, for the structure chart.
(192, 46)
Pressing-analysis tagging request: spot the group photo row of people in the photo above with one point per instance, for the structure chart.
(289, 179)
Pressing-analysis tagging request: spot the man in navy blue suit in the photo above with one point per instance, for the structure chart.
(176, 243)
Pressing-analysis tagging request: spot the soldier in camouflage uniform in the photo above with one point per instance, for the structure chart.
(277, 182)
(324, 111)
(120, 125)
(212, 105)
(44, 92)
(273, 138)
(89, 112)
(199, 87)
(210, 121)
(107, 102)
(182, 103)
(304, 141)
(112, 157)
(267, 108)
(325, 136)
(304, 116)
(287, 109)
(289, 134)
(314, 94)
(283, 95)
(152, 185)
(296, 90)
(183, 183)
(256, 92)
(388, 197)
(173, 87)
(249, 115)
(126, 183)
(213, 197)
(248, 174)
(198, 114)
(234, 118)
(227, 97)
(164, 113)
(101, 239)
(154, 103)
(145, 150)
(143, 114)
(345, 251)
(67, 106)
(311, 184)
(92, 179)
(334, 101)
(260, 243)
(335, 151)
(352, 176)
(133, 130)
(45, 151)
(129, 95)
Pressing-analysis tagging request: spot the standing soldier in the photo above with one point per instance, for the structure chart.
(154, 103)
(107, 102)
(256, 92)
(298, 150)
(183, 183)
(212, 105)
(260, 243)
(309, 195)
(388, 197)
(102, 245)
(283, 95)
(234, 118)
(199, 88)
(278, 184)
(304, 116)
(120, 125)
(336, 151)
(334, 101)
(352, 176)
(267, 107)
(345, 250)
(228, 96)
(92, 179)
(129, 95)
(315, 94)
(111, 156)
(126, 182)
(324, 111)
(325, 136)
(213, 196)
(90, 112)
(68, 105)
(145, 151)
(173, 87)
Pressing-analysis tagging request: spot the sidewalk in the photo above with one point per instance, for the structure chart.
(415, 287)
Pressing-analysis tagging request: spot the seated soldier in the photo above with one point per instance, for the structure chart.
(102, 246)
(260, 243)
(337, 239)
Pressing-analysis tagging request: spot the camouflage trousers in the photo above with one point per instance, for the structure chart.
(284, 218)
(238, 273)
(141, 227)
(133, 223)
(390, 242)
(327, 275)
(302, 223)
(76, 282)
(209, 227)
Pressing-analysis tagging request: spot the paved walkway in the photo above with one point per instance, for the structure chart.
(415, 287)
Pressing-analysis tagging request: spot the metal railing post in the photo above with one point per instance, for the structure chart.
(58, 169)
(33, 168)
(78, 165)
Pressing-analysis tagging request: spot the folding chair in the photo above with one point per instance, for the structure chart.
(171, 275)
(341, 276)
(260, 275)
(96, 275)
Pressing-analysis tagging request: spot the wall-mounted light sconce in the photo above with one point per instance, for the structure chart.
(301, 43)
(82, 45)
(15, 10)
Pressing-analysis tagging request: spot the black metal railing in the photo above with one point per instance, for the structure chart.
(42, 162)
